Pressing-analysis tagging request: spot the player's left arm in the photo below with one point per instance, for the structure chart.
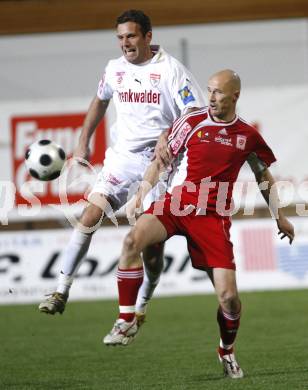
(269, 192)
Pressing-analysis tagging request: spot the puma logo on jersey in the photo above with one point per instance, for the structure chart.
(139, 97)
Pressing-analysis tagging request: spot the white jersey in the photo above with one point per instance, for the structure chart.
(148, 98)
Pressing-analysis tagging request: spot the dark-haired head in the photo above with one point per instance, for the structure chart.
(137, 17)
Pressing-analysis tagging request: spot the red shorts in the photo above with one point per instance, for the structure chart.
(208, 236)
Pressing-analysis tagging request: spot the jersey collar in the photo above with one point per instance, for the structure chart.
(222, 123)
(158, 52)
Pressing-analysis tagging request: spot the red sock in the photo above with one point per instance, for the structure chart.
(129, 281)
(222, 351)
(228, 325)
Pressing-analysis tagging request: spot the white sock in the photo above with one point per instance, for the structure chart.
(64, 283)
(71, 259)
(150, 281)
(225, 346)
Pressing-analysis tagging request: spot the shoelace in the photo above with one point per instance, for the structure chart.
(233, 364)
(54, 297)
(117, 327)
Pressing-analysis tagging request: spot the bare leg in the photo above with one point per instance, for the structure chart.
(153, 261)
(229, 310)
(148, 231)
(225, 285)
(228, 318)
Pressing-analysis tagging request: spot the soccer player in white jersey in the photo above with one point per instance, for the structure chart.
(150, 89)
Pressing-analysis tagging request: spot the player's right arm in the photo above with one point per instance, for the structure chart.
(150, 179)
(270, 194)
(177, 136)
(95, 114)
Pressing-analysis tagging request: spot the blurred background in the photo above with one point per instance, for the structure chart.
(52, 55)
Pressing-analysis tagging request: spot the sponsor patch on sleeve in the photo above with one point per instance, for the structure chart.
(186, 95)
(175, 143)
(101, 83)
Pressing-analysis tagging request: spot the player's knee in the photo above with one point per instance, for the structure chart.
(130, 244)
(91, 216)
(229, 301)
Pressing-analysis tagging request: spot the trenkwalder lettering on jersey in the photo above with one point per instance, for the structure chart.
(139, 97)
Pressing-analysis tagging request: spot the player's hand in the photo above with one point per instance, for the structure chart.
(82, 154)
(162, 152)
(286, 229)
(134, 209)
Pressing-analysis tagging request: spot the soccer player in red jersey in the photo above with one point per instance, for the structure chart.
(207, 148)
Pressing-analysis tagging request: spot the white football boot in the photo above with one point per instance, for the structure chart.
(140, 318)
(55, 303)
(122, 333)
(230, 365)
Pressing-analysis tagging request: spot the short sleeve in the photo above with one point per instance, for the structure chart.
(104, 89)
(255, 163)
(185, 89)
(262, 151)
(177, 137)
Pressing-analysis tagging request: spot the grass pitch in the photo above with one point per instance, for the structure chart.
(176, 348)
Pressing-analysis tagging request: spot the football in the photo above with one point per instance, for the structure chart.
(44, 160)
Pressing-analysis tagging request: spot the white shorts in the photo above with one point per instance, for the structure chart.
(120, 176)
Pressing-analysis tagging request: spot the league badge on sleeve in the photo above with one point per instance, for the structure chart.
(186, 95)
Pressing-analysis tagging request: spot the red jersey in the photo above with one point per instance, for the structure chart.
(209, 157)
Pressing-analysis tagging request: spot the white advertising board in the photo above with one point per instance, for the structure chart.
(29, 262)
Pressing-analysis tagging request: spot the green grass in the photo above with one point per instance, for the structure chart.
(175, 349)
